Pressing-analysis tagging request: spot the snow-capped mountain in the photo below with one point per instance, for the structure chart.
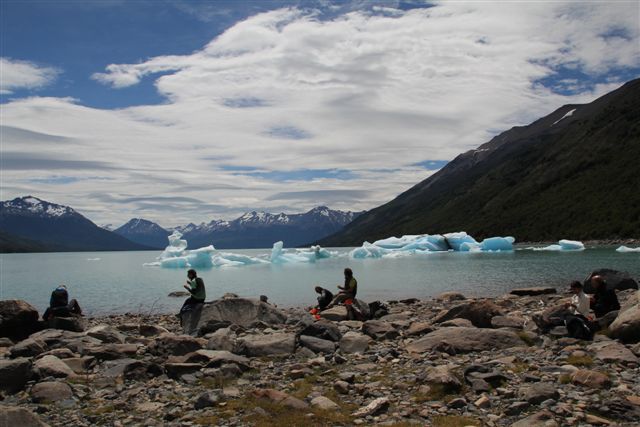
(57, 227)
(251, 230)
(144, 232)
(262, 229)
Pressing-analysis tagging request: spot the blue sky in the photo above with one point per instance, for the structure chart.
(217, 107)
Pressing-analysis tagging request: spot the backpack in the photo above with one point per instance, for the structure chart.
(59, 298)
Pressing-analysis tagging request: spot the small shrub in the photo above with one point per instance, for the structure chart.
(580, 360)
(454, 421)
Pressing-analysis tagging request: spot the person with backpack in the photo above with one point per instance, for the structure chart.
(60, 306)
(195, 286)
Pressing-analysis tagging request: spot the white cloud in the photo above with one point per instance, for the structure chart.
(362, 92)
(16, 74)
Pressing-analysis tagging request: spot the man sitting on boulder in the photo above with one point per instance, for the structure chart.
(348, 291)
(604, 302)
(195, 286)
(60, 306)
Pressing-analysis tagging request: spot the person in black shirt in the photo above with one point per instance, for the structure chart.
(60, 306)
(604, 300)
(324, 297)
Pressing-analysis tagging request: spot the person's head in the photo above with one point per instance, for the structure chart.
(576, 287)
(62, 286)
(191, 274)
(598, 283)
(318, 289)
(348, 273)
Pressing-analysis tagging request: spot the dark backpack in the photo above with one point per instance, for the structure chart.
(579, 328)
(59, 298)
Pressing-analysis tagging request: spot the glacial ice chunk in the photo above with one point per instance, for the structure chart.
(455, 240)
(498, 243)
(279, 255)
(625, 249)
(563, 245)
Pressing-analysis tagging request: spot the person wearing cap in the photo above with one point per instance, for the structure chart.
(60, 306)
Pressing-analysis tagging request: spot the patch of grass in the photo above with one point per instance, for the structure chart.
(437, 392)
(100, 410)
(304, 386)
(526, 338)
(453, 421)
(207, 420)
(565, 379)
(276, 415)
(520, 367)
(580, 360)
(215, 382)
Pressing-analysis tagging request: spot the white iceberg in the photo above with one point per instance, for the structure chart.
(625, 249)
(176, 255)
(563, 245)
(279, 255)
(396, 247)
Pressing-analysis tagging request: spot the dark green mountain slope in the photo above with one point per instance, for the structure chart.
(564, 176)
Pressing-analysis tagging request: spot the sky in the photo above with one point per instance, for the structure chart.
(183, 111)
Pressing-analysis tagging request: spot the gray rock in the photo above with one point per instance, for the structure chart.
(127, 368)
(217, 358)
(151, 330)
(591, 379)
(443, 376)
(222, 339)
(354, 342)
(177, 370)
(51, 366)
(626, 327)
(379, 330)
(539, 419)
(514, 322)
(207, 399)
(539, 290)
(14, 374)
(322, 402)
(27, 348)
(336, 314)
(478, 312)
(241, 311)
(457, 403)
(50, 391)
(418, 328)
(341, 387)
(280, 398)
(322, 329)
(106, 333)
(111, 351)
(14, 416)
(539, 392)
(612, 351)
(18, 319)
(73, 323)
(376, 406)
(317, 345)
(457, 323)
(80, 365)
(267, 345)
(177, 345)
(464, 340)
(451, 296)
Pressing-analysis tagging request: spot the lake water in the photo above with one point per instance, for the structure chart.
(117, 282)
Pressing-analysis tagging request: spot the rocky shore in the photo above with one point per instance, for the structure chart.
(446, 361)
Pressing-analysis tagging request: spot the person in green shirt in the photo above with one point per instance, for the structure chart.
(195, 286)
(348, 291)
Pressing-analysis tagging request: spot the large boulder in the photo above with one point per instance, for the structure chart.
(354, 342)
(267, 345)
(464, 340)
(244, 312)
(18, 319)
(16, 416)
(71, 323)
(323, 329)
(107, 334)
(317, 345)
(611, 351)
(222, 339)
(175, 345)
(336, 314)
(380, 330)
(28, 348)
(626, 327)
(539, 392)
(50, 391)
(479, 313)
(51, 366)
(14, 374)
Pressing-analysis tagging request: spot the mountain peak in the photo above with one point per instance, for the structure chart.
(34, 206)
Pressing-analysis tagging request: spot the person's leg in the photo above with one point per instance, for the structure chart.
(339, 299)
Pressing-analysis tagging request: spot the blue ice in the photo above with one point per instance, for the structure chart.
(626, 249)
(563, 245)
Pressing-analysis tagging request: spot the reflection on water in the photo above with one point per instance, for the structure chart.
(107, 282)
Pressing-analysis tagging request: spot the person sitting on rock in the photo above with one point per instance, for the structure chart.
(195, 286)
(324, 297)
(604, 300)
(60, 306)
(348, 291)
(580, 302)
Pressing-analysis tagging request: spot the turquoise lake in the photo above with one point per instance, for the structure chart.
(118, 282)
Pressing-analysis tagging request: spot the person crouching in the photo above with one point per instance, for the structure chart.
(195, 286)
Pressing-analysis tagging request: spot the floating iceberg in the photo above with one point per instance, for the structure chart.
(625, 249)
(563, 245)
(395, 247)
(281, 256)
(176, 255)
